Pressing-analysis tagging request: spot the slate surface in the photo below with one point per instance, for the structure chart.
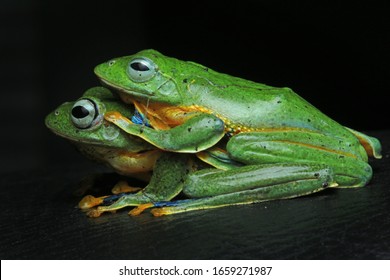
(39, 221)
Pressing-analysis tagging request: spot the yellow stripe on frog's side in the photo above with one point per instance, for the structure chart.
(235, 128)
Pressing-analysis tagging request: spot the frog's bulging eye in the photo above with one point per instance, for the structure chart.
(84, 112)
(141, 69)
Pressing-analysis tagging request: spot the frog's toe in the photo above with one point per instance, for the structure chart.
(123, 187)
(158, 212)
(112, 116)
(117, 118)
(90, 201)
(140, 208)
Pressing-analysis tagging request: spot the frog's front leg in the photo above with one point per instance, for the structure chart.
(166, 182)
(198, 133)
(347, 158)
(212, 188)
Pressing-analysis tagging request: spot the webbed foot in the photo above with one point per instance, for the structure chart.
(90, 201)
(140, 208)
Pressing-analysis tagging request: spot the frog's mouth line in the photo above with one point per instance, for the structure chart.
(123, 90)
(75, 140)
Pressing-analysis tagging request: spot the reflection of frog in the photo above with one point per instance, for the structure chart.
(266, 124)
(82, 123)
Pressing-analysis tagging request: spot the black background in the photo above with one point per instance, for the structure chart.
(336, 56)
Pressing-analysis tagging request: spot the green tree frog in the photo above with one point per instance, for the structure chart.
(265, 124)
(82, 122)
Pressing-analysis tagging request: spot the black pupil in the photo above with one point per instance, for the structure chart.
(138, 66)
(79, 112)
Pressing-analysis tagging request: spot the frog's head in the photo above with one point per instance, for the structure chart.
(146, 75)
(82, 122)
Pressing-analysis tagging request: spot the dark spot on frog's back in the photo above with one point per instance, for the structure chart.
(185, 81)
(189, 129)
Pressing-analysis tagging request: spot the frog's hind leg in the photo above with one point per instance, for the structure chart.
(347, 158)
(212, 188)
